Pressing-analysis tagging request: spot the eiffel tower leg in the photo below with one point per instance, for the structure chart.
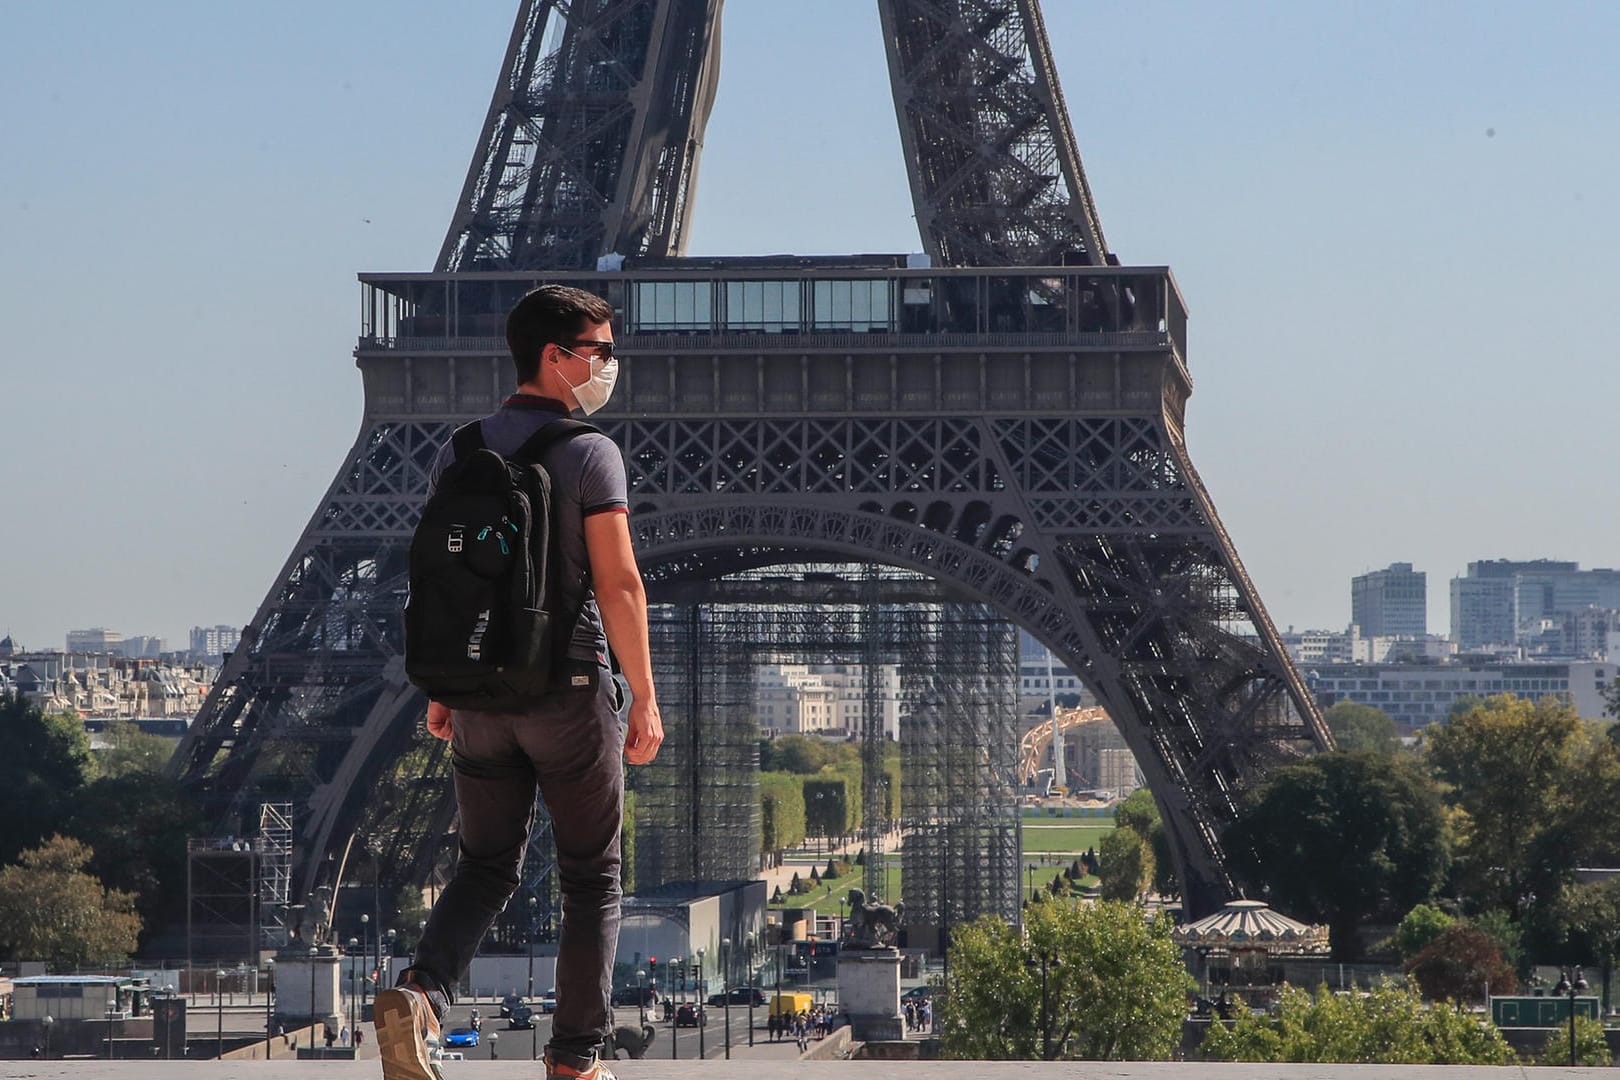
(313, 707)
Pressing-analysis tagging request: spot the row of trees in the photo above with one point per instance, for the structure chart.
(1485, 822)
(812, 788)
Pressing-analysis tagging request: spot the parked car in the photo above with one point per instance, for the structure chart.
(634, 995)
(461, 1036)
(740, 995)
(690, 1016)
(509, 1002)
(548, 1001)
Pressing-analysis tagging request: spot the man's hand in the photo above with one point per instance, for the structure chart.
(645, 733)
(438, 720)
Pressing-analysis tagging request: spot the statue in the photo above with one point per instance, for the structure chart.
(872, 926)
(634, 1043)
(318, 916)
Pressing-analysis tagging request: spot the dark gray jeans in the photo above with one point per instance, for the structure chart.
(569, 744)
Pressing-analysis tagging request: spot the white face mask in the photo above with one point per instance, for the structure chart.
(594, 392)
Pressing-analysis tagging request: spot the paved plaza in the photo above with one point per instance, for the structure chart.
(784, 1070)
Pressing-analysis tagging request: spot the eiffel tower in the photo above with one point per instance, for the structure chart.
(1003, 413)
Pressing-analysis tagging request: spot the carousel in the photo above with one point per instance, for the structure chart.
(1241, 947)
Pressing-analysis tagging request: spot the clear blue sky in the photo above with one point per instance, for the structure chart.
(1396, 225)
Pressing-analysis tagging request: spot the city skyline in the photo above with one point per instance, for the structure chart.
(1336, 192)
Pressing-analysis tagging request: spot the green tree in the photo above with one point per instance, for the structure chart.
(1509, 766)
(1502, 929)
(1126, 872)
(1342, 838)
(807, 756)
(781, 797)
(129, 751)
(1591, 1048)
(1418, 928)
(1117, 990)
(1389, 1025)
(1139, 812)
(46, 762)
(137, 825)
(627, 843)
(1361, 729)
(1588, 916)
(828, 806)
(1459, 964)
(52, 910)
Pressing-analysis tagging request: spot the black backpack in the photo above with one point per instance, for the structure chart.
(481, 629)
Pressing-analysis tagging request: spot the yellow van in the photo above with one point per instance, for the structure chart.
(790, 1004)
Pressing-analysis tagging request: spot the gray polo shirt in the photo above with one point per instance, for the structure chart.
(587, 478)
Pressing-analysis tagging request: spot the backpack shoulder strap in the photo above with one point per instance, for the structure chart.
(467, 440)
(552, 433)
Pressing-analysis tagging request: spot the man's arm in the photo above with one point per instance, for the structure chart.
(622, 600)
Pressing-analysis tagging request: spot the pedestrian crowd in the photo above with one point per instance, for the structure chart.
(920, 1015)
(816, 1022)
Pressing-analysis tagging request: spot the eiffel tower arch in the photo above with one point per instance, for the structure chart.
(1003, 413)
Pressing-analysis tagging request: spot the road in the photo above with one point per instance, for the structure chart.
(520, 1044)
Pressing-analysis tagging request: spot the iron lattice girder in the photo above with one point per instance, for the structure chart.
(592, 138)
(995, 175)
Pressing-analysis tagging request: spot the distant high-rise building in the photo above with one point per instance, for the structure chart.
(214, 640)
(1590, 633)
(1391, 603)
(97, 640)
(144, 647)
(1500, 600)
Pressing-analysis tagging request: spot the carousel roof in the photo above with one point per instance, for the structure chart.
(1251, 924)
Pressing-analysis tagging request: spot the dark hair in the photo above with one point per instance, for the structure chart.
(549, 314)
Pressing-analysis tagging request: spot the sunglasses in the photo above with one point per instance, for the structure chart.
(604, 349)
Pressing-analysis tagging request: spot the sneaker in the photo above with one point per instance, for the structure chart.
(556, 1070)
(408, 1033)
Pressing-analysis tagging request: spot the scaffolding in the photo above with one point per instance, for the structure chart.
(275, 873)
(697, 808)
(958, 739)
(699, 815)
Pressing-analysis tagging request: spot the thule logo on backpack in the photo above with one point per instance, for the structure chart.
(475, 643)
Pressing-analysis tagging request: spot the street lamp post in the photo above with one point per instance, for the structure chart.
(353, 971)
(641, 993)
(269, 993)
(494, 1046)
(725, 987)
(1571, 983)
(365, 946)
(675, 1011)
(314, 951)
(702, 1006)
(48, 1021)
(534, 1032)
(1046, 960)
(751, 942)
(219, 1015)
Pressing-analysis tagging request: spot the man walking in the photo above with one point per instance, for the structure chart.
(566, 743)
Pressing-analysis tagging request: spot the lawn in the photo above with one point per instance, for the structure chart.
(1040, 838)
(826, 896)
(1039, 842)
